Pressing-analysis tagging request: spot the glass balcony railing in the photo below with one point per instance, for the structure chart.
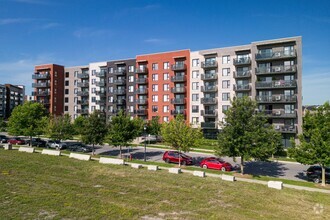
(276, 84)
(209, 76)
(277, 99)
(209, 125)
(209, 88)
(242, 74)
(178, 78)
(209, 113)
(209, 64)
(178, 90)
(275, 55)
(178, 112)
(276, 69)
(178, 101)
(82, 75)
(82, 84)
(178, 66)
(242, 87)
(242, 61)
(209, 101)
(41, 76)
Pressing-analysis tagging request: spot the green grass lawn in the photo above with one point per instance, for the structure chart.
(35, 186)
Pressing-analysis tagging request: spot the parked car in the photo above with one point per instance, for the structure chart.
(314, 173)
(216, 164)
(79, 147)
(16, 140)
(174, 156)
(3, 139)
(38, 142)
(58, 145)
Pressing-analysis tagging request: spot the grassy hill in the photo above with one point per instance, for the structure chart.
(34, 186)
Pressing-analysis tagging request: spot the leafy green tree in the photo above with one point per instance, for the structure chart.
(154, 127)
(78, 124)
(94, 129)
(180, 135)
(3, 125)
(28, 119)
(246, 134)
(314, 146)
(60, 127)
(122, 130)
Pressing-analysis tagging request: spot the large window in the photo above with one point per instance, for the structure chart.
(166, 65)
(195, 97)
(155, 66)
(195, 109)
(155, 88)
(155, 98)
(166, 76)
(225, 84)
(166, 108)
(166, 87)
(195, 86)
(225, 59)
(226, 72)
(195, 62)
(195, 74)
(225, 96)
(166, 98)
(155, 77)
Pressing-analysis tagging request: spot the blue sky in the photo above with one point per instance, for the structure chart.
(77, 32)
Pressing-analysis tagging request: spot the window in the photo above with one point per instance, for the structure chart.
(225, 59)
(195, 120)
(55, 74)
(195, 97)
(131, 69)
(225, 96)
(166, 65)
(93, 99)
(93, 81)
(110, 79)
(55, 91)
(225, 108)
(55, 82)
(166, 98)
(195, 62)
(131, 109)
(155, 88)
(131, 98)
(166, 87)
(75, 73)
(131, 79)
(165, 119)
(166, 76)
(225, 72)
(75, 91)
(195, 74)
(66, 99)
(93, 90)
(154, 77)
(130, 88)
(154, 108)
(155, 66)
(155, 98)
(93, 108)
(225, 84)
(195, 86)
(93, 72)
(195, 109)
(75, 82)
(66, 108)
(111, 70)
(66, 91)
(166, 108)
(66, 74)
(66, 83)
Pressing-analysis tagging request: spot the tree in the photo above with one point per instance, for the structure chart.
(3, 125)
(246, 134)
(94, 129)
(78, 124)
(60, 127)
(28, 119)
(180, 135)
(314, 146)
(154, 127)
(122, 130)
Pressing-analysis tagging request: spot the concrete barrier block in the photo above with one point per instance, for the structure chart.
(51, 152)
(26, 149)
(152, 167)
(136, 166)
(199, 173)
(8, 147)
(275, 184)
(228, 178)
(175, 170)
(80, 156)
(107, 160)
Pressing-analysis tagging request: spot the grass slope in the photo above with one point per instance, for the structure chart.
(34, 186)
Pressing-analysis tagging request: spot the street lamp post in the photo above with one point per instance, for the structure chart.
(145, 142)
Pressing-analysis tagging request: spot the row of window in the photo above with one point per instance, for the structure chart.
(225, 60)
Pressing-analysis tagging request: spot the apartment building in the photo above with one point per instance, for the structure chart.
(49, 87)
(2, 101)
(97, 85)
(14, 97)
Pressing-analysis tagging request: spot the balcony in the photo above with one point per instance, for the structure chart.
(82, 93)
(82, 75)
(141, 112)
(44, 101)
(83, 111)
(209, 125)
(209, 113)
(100, 102)
(243, 87)
(119, 81)
(119, 102)
(41, 76)
(291, 129)
(100, 83)
(209, 88)
(83, 102)
(209, 76)
(178, 90)
(141, 70)
(142, 91)
(141, 81)
(209, 101)
(119, 71)
(40, 85)
(178, 112)
(276, 70)
(142, 101)
(277, 99)
(178, 101)
(178, 67)
(119, 91)
(178, 78)
(100, 93)
(276, 55)
(242, 61)
(82, 84)
(114, 111)
(41, 93)
(101, 74)
(242, 74)
(278, 84)
(209, 64)
(280, 113)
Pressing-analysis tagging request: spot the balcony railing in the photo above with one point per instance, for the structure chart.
(278, 84)
(119, 102)
(242, 61)
(82, 75)
(101, 74)
(119, 91)
(178, 112)
(209, 101)
(286, 128)
(41, 93)
(100, 83)
(141, 80)
(277, 99)
(242, 74)
(209, 76)
(280, 113)
(276, 55)
(141, 112)
(100, 93)
(178, 78)
(141, 91)
(82, 84)
(276, 69)
(178, 66)
(209, 64)
(83, 111)
(243, 87)
(209, 88)
(119, 81)
(119, 71)
(40, 85)
(100, 102)
(178, 101)
(41, 76)
(141, 70)
(82, 93)
(209, 113)
(178, 90)
(210, 125)
(83, 102)
(142, 101)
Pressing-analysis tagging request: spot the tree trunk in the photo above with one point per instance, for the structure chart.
(93, 150)
(30, 144)
(120, 152)
(323, 176)
(242, 165)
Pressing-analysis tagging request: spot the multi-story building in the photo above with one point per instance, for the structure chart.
(2, 101)
(14, 97)
(97, 85)
(49, 87)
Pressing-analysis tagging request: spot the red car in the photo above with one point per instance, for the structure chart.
(216, 164)
(16, 140)
(174, 156)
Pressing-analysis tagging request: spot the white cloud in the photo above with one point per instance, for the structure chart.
(91, 32)
(6, 21)
(50, 25)
(156, 41)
